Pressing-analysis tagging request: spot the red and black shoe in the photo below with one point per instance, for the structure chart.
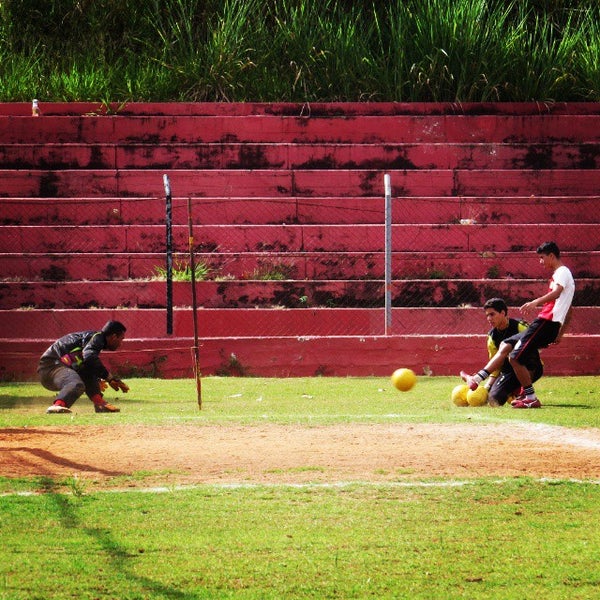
(105, 407)
(527, 403)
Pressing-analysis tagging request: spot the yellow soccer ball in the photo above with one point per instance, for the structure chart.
(459, 395)
(477, 397)
(404, 379)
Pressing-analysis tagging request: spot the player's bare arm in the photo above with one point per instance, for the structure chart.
(553, 295)
(493, 364)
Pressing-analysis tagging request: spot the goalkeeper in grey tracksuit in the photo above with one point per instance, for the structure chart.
(72, 366)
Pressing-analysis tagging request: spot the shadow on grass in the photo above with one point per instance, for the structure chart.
(31, 431)
(55, 459)
(117, 555)
(7, 401)
(578, 406)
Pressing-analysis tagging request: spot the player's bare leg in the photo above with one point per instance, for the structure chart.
(524, 376)
(493, 365)
(522, 373)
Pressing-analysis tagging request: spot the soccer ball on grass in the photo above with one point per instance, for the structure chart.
(459, 395)
(477, 397)
(404, 379)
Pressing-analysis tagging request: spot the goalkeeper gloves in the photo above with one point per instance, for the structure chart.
(116, 384)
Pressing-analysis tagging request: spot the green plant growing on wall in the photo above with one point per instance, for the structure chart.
(232, 367)
(152, 369)
(493, 272)
(182, 271)
(272, 272)
(435, 274)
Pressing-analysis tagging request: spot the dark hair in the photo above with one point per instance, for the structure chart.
(549, 248)
(113, 327)
(497, 304)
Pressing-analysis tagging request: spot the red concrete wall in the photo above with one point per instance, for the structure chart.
(305, 356)
(290, 293)
(87, 173)
(256, 322)
(314, 109)
(300, 156)
(115, 266)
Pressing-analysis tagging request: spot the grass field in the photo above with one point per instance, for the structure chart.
(405, 537)
(309, 401)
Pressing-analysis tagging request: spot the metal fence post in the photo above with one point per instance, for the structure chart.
(388, 253)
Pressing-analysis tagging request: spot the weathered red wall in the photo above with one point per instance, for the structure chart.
(290, 164)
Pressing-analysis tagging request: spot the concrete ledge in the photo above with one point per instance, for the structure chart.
(306, 356)
(31, 267)
(229, 183)
(316, 109)
(264, 322)
(280, 239)
(218, 155)
(331, 210)
(345, 128)
(275, 294)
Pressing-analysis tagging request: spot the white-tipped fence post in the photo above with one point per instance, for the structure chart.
(388, 254)
(169, 245)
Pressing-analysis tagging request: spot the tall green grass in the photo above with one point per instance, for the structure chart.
(296, 50)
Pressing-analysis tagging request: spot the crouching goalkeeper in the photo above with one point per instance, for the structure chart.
(503, 383)
(72, 366)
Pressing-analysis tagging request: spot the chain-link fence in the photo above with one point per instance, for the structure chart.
(289, 261)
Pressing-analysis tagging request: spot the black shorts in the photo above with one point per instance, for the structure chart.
(539, 334)
(508, 385)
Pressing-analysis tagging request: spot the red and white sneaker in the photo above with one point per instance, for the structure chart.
(56, 409)
(469, 380)
(527, 403)
(518, 399)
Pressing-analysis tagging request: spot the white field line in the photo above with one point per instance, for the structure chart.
(336, 485)
(555, 434)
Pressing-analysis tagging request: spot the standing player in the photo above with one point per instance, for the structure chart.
(503, 382)
(72, 366)
(547, 328)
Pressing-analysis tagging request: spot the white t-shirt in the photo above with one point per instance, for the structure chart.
(557, 309)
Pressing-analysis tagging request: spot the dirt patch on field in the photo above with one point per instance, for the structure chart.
(138, 456)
